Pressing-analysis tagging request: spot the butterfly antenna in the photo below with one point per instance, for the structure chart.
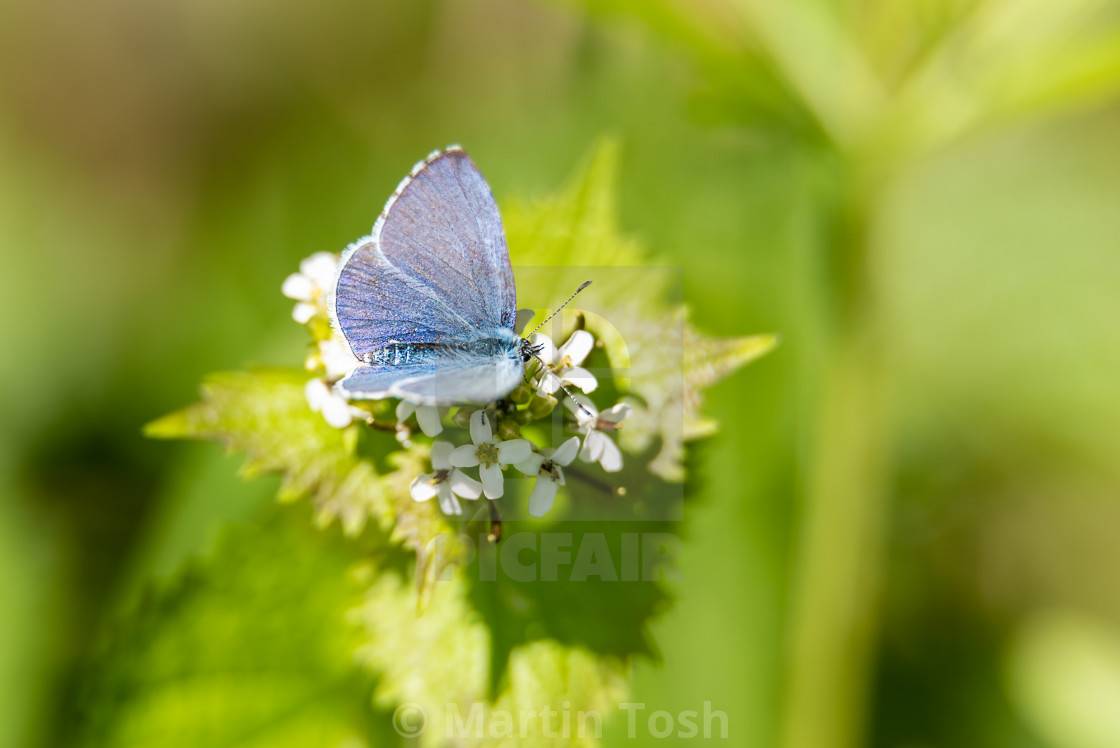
(544, 366)
(561, 307)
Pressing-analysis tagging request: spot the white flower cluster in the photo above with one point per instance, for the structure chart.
(558, 369)
(491, 454)
(310, 288)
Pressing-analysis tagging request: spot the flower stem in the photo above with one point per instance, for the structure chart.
(495, 522)
(572, 471)
(836, 574)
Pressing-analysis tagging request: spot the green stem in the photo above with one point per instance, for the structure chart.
(837, 563)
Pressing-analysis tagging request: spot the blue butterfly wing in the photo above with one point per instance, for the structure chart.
(443, 230)
(451, 379)
(435, 266)
(414, 299)
(375, 305)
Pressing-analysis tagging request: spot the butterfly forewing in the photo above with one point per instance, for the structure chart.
(443, 231)
(375, 305)
(427, 302)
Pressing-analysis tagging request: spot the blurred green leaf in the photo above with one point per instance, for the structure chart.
(578, 226)
(739, 83)
(248, 648)
(1064, 674)
(671, 398)
(657, 354)
(1003, 62)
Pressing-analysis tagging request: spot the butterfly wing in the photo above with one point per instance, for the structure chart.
(375, 305)
(449, 379)
(444, 231)
(414, 299)
(436, 264)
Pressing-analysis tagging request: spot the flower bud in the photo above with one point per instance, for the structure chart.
(462, 417)
(522, 394)
(540, 407)
(320, 327)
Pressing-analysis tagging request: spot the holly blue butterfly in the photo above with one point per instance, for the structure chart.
(427, 302)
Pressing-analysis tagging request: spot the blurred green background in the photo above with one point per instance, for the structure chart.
(905, 532)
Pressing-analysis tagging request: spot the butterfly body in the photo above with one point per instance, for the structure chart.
(404, 354)
(427, 302)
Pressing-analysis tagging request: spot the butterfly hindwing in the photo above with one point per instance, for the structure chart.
(451, 376)
(477, 381)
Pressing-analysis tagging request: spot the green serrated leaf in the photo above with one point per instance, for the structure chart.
(671, 397)
(441, 663)
(454, 642)
(249, 648)
(264, 413)
(576, 227)
(653, 350)
(420, 527)
(708, 360)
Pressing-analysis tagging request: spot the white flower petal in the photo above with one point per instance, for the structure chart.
(616, 413)
(317, 393)
(492, 484)
(548, 383)
(542, 497)
(297, 286)
(405, 409)
(321, 269)
(582, 378)
(592, 447)
(428, 418)
(481, 432)
(584, 415)
(303, 312)
(514, 450)
(421, 487)
(531, 465)
(337, 358)
(441, 455)
(465, 456)
(548, 348)
(611, 457)
(337, 412)
(566, 452)
(464, 485)
(447, 501)
(577, 347)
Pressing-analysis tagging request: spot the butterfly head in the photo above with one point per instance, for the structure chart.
(530, 351)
